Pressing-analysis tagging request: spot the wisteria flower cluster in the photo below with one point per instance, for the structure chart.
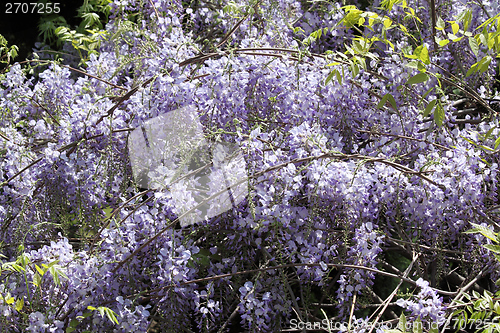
(427, 306)
(335, 158)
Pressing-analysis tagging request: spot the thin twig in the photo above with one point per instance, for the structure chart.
(61, 149)
(397, 166)
(465, 89)
(351, 312)
(394, 292)
(405, 137)
(20, 172)
(74, 70)
(423, 246)
(277, 55)
(304, 13)
(156, 12)
(45, 109)
(205, 56)
(433, 23)
(233, 29)
(4, 137)
(251, 271)
(460, 295)
(107, 221)
(94, 77)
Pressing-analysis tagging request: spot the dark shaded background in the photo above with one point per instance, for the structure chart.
(22, 29)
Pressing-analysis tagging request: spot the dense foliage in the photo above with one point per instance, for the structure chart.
(370, 142)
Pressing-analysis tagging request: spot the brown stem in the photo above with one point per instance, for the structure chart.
(4, 137)
(385, 304)
(459, 295)
(257, 270)
(75, 70)
(406, 137)
(367, 159)
(233, 29)
(433, 22)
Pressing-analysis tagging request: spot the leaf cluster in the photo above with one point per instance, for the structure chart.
(481, 311)
(87, 37)
(7, 53)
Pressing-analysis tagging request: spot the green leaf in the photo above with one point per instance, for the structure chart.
(487, 135)
(39, 270)
(72, 325)
(471, 70)
(427, 92)
(486, 148)
(385, 98)
(429, 108)
(454, 38)
(37, 280)
(484, 64)
(352, 18)
(439, 114)
(467, 19)
(111, 315)
(474, 46)
(492, 247)
(402, 322)
(382, 102)
(440, 24)
(362, 62)
(339, 77)
(53, 263)
(497, 142)
(392, 101)
(413, 64)
(486, 232)
(61, 30)
(86, 314)
(454, 27)
(423, 54)
(23, 260)
(17, 268)
(444, 42)
(469, 140)
(56, 272)
(496, 308)
(354, 69)
(483, 38)
(488, 21)
(417, 326)
(329, 77)
(387, 23)
(419, 78)
(19, 304)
